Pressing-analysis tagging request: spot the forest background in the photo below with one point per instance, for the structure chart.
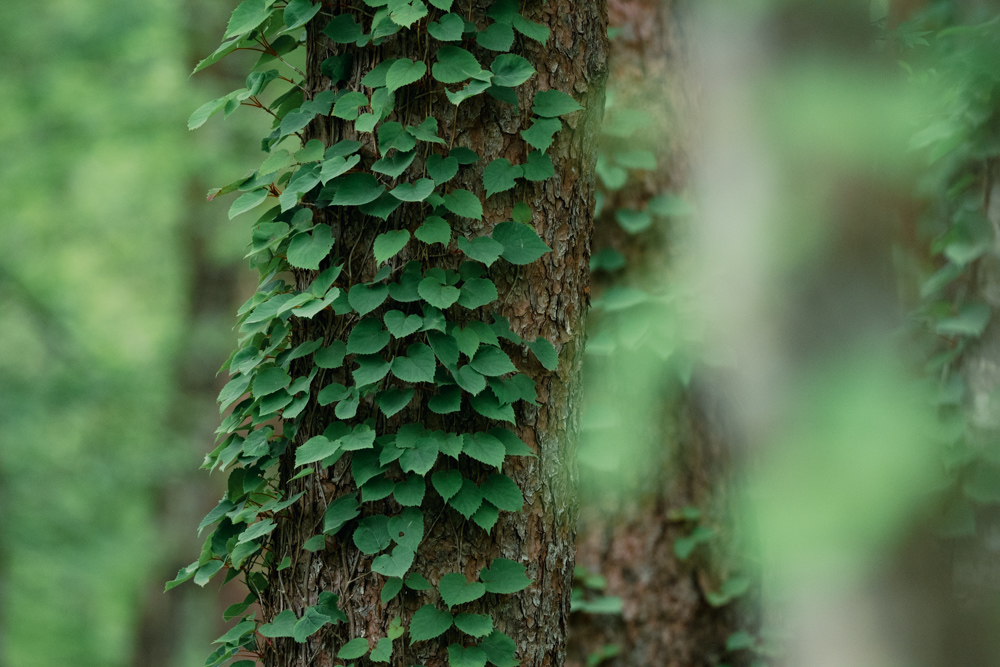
(119, 286)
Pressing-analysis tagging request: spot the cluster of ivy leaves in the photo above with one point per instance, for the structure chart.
(416, 307)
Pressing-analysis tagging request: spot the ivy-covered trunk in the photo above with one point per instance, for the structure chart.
(673, 489)
(434, 368)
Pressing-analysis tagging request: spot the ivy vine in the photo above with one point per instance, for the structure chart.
(413, 332)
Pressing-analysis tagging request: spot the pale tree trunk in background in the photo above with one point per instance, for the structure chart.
(547, 298)
(627, 532)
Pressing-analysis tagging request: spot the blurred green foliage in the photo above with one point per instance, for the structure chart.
(100, 181)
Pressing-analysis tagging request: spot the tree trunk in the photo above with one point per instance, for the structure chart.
(546, 298)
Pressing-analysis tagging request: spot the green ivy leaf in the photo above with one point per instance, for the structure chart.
(467, 500)
(404, 72)
(251, 200)
(282, 625)
(477, 292)
(465, 657)
(470, 380)
(353, 189)
(366, 298)
(503, 493)
(236, 632)
(464, 155)
(206, 111)
(538, 167)
(388, 244)
(377, 76)
(482, 249)
(489, 406)
(447, 401)
(448, 28)
(443, 5)
(347, 105)
(314, 449)
(420, 459)
(499, 649)
(257, 530)
(381, 207)
(392, 401)
(337, 166)
(407, 529)
(417, 366)
(500, 176)
(434, 230)
(455, 65)
(468, 341)
(441, 169)
(553, 103)
(471, 90)
(247, 16)
(475, 625)
(409, 13)
(411, 192)
(362, 437)
(394, 565)
(382, 651)
(338, 513)
(426, 131)
(485, 448)
(520, 243)
(367, 337)
(311, 621)
(464, 203)
(409, 492)
(516, 388)
(365, 465)
(447, 483)
(306, 251)
(299, 12)
(400, 325)
(343, 29)
(504, 576)
(390, 589)
(394, 135)
(394, 165)
(353, 649)
(270, 380)
(456, 590)
(330, 357)
(372, 534)
(429, 622)
(436, 293)
(491, 361)
(486, 516)
(417, 582)
(370, 369)
(496, 37)
(545, 352)
(510, 70)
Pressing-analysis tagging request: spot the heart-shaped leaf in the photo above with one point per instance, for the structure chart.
(455, 589)
(394, 565)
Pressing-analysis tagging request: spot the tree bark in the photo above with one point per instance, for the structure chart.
(547, 298)
(627, 533)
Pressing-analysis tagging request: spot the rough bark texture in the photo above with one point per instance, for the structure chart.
(627, 534)
(547, 298)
